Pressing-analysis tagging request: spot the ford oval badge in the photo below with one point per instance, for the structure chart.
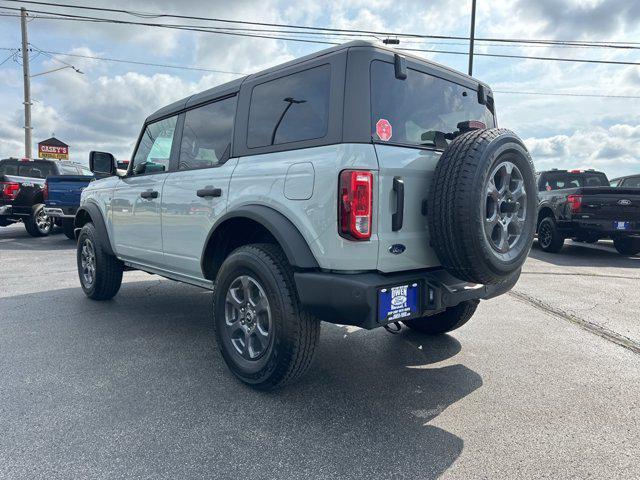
(397, 248)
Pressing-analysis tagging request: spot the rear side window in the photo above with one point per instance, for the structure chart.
(37, 169)
(421, 109)
(206, 137)
(290, 109)
(9, 168)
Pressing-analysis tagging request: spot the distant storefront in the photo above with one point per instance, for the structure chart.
(53, 148)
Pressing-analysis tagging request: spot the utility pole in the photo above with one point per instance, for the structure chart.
(27, 84)
(472, 35)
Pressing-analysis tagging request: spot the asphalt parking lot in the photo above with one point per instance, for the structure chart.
(543, 383)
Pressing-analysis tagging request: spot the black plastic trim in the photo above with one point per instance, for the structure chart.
(94, 212)
(291, 241)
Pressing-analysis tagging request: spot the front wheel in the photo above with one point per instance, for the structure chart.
(549, 238)
(38, 224)
(264, 336)
(451, 319)
(100, 273)
(627, 245)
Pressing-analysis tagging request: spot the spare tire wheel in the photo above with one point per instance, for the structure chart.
(483, 206)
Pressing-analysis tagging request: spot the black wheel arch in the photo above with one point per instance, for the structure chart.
(544, 211)
(90, 212)
(266, 223)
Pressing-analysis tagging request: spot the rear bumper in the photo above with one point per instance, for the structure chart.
(61, 212)
(604, 228)
(5, 210)
(352, 299)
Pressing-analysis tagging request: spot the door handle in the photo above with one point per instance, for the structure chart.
(209, 192)
(149, 194)
(398, 217)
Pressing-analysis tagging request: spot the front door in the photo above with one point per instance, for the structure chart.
(137, 228)
(195, 195)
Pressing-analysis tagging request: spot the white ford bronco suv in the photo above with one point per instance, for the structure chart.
(356, 186)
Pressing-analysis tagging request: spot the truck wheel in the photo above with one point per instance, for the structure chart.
(100, 273)
(68, 228)
(38, 224)
(265, 337)
(482, 206)
(627, 245)
(451, 319)
(549, 238)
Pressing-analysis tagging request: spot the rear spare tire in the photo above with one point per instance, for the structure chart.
(483, 206)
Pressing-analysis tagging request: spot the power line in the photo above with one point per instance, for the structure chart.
(184, 67)
(271, 37)
(568, 94)
(148, 15)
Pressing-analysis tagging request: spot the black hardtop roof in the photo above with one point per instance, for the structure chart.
(234, 85)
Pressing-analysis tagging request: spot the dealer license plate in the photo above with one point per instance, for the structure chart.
(622, 225)
(399, 302)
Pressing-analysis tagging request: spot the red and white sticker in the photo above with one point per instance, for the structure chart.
(384, 130)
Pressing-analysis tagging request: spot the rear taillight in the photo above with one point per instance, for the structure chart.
(354, 199)
(575, 203)
(45, 191)
(10, 190)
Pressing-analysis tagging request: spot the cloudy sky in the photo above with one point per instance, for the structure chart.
(103, 109)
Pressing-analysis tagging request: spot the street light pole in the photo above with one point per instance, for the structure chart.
(27, 84)
(472, 35)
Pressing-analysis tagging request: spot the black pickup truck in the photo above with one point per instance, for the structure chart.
(580, 204)
(22, 192)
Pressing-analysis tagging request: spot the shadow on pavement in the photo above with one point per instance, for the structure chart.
(136, 386)
(584, 255)
(15, 238)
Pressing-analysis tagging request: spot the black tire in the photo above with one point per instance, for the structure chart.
(293, 334)
(68, 228)
(38, 224)
(627, 245)
(451, 319)
(459, 205)
(549, 238)
(106, 276)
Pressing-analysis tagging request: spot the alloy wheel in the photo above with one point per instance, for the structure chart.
(248, 317)
(88, 263)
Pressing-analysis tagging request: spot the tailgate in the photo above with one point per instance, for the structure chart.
(29, 194)
(414, 167)
(615, 204)
(65, 190)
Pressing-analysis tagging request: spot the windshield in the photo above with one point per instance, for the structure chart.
(421, 109)
(559, 180)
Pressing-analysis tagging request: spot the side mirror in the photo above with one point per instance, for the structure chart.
(102, 163)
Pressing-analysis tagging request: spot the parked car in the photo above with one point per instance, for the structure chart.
(629, 181)
(62, 196)
(356, 186)
(22, 190)
(580, 204)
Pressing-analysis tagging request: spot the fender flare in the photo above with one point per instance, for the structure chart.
(94, 212)
(291, 241)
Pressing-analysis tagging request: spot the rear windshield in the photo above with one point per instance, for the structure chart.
(422, 109)
(27, 169)
(631, 182)
(559, 180)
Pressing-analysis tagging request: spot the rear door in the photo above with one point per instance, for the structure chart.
(195, 195)
(410, 119)
(137, 228)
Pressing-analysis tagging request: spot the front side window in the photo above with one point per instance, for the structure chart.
(154, 150)
(290, 109)
(421, 110)
(206, 137)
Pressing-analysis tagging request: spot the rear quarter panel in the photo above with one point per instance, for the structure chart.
(263, 180)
